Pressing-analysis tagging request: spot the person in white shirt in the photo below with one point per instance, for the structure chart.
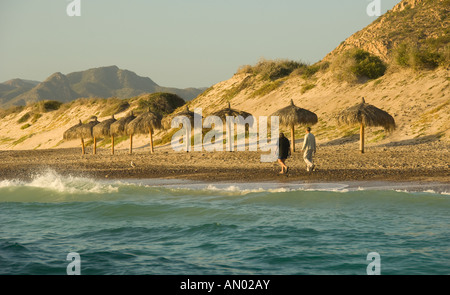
(309, 148)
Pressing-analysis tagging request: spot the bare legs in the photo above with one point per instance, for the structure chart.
(284, 168)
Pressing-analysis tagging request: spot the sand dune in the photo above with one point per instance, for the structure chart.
(419, 103)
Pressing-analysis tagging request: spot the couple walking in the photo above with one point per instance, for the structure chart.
(309, 148)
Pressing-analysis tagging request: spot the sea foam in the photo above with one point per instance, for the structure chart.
(51, 180)
(249, 188)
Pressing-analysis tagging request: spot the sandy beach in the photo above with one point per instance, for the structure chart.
(426, 162)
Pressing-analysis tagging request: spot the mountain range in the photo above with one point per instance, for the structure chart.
(101, 82)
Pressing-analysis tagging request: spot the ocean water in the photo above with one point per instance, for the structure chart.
(175, 227)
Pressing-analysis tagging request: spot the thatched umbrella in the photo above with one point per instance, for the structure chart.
(72, 133)
(229, 112)
(167, 121)
(102, 130)
(120, 128)
(81, 131)
(145, 123)
(85, 130)
(368, 115)
(293, 115)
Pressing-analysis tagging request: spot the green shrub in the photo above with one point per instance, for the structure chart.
(307, 87)
(35, 118)
(267, 88)
(307, 72)
(427, 60)
(445, 62)
(311, 71)
(367, 65)
(22, 139)
(161, 103)
(24, 118)
(402, 56)
(115, 106)
(377, 82)
(272, 69)
(357, 65)
(25, 126)
(48, 105)
(410, 56)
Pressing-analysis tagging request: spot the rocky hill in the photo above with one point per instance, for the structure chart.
(399, 63)
(422, 24)
(97, 82)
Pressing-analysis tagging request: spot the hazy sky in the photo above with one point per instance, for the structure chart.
(178, 43)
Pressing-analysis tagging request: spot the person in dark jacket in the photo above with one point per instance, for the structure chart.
(284, 151)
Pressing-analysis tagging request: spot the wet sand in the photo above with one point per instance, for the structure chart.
(427, 162)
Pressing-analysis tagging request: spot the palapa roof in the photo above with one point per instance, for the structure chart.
(229, 112)
(188, 113)
(85, 130)
(119, 127)
(167, 121)
(366, 114)
(103, 128)
(72, 133)
(143, 123)
(293, 115)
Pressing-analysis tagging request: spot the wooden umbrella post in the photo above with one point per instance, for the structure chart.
(95, 146)
(229, 134)
(292, 139)
(82, 146)
(361, 144)
(151, 140)
(131, 144)
(112, 144)
(291, 116)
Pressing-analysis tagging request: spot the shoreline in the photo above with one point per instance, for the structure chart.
(434, 187)
(413, 163)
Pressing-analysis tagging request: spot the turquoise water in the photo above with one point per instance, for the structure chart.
(180, 227)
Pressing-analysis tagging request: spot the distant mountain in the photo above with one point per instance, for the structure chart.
(110, 81)
(21, 83)
(55, 87)
(97, 82)
(13, 88)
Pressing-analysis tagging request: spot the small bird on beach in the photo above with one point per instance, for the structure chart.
(133, 165)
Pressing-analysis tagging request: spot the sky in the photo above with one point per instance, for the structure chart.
(177, 43)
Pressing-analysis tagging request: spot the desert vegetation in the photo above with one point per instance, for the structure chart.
(160, 103)
(357, 65)
(280, 68)
(419, 58)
